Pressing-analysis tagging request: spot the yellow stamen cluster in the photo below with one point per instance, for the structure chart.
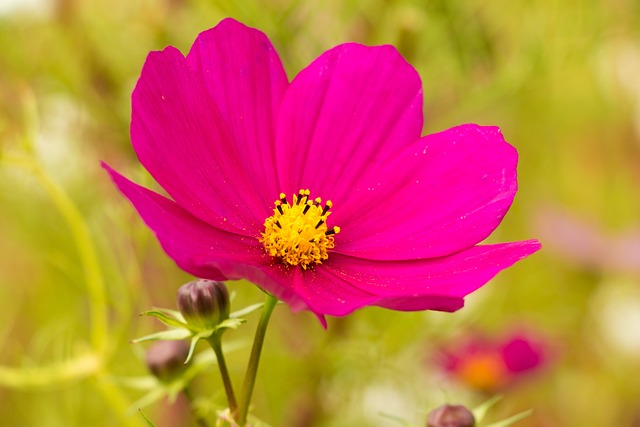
(297, 233)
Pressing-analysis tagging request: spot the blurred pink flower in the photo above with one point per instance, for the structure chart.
(492, 364)
(588, 243)
(225, 134)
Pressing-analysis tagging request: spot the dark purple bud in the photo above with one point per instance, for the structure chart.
(451, 416)
(165, 359)
(204, 303)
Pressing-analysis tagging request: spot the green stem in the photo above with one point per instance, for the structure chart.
(89, 259)
(85, 245)
(214, 341)
(254, 360)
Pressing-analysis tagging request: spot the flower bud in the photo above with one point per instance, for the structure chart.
(165, 359)
(204, 303)
(451, 416)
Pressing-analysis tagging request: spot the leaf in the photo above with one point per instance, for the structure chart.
(512, 420)
(168, 335)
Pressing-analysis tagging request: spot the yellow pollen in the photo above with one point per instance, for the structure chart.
(297, 233)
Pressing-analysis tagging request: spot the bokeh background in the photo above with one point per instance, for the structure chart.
(562, 80)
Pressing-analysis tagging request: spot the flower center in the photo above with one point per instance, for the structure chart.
(297, 233)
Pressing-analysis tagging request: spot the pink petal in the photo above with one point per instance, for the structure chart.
(429, 284)
(521, 354)
(445, 193)
(326, 293)
(200, 145)
(206, 251)
(184, 237)
(423, 302)
(245, 77)
(350, 110)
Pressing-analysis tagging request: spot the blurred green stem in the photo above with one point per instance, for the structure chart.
(214, 341)
(77, 224)
(88, 257)
(84, 244)
(74, 369)
(254, 360)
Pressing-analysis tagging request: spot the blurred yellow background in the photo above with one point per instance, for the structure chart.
(562, 80)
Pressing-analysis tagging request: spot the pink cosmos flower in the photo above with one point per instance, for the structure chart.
(587, 243)
(491, 364)
(251, 161)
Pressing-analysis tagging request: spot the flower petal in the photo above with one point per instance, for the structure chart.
(326, 293)
(206, 149)
(245, 77)
(351, 109)
(521, 354)
(430, 284)
(203, 250)
(445, 193)
(184, 237)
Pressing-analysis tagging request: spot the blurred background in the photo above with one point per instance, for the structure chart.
(558, 333)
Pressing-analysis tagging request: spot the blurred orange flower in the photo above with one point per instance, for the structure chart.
(490, 365)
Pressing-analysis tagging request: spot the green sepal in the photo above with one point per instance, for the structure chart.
(174, 319)
(225, 324)
(184, 331)
(230, 324)
(194, 340)
(168, 317)
(168, 335)
(173, 313)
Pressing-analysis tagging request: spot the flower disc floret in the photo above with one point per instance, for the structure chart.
(297, 233)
